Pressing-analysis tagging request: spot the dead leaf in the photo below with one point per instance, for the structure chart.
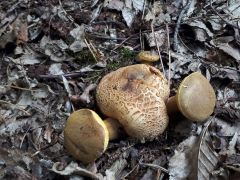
(96, 12)
(184, 154)
(56, 69)
(48, 133)
(7, 38)
(230, 50)
(116, 169)
(19, 172)
(226, 129)
(55, 49)
(21, 29)
(192, 150)
(128, 15)
(158, 36)
(207, 157)
(78, 34)
(114, 4)
(201, 30)
(27, 59)
(138, 4)
(191, 8)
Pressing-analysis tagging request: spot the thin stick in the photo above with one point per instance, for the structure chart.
(90, 49)
(126, 175)
(155, 166)
(144, 7)
(141, 41)
(119, 45)
(169, 55)
(68, 16)
(25, 89)
(175, 36)
(25, 134)
(158, 49)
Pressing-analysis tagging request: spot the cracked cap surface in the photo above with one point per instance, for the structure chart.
(135, 95)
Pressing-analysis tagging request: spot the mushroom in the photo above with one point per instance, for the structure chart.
(147, 57)
(135, 95)
(86, 136)
(195, 98)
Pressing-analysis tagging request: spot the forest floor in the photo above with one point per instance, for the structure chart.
(54, 53)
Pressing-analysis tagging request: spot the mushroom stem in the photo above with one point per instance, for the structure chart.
(172, 105)
(113, 127)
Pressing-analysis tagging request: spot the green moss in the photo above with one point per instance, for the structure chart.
(125, 58)
(84, 57)
(112, 65)
(127, 54)
(93, 76)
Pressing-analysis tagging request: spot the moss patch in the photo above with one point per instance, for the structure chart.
(84, 57)
(126, 57)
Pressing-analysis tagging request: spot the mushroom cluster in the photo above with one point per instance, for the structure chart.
(135, 98)
(135, 95)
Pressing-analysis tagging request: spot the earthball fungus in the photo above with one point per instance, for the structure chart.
(195, 98)
(86, 136)
(135, 95)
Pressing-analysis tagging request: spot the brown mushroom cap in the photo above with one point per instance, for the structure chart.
(147, 56)
(195, 97)
(135, 95)
(85, 135)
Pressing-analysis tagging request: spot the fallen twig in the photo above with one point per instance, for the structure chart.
(155, 166)
(169, 55)
(158, 49)
(91, 49)
(16, 106)
(175, 36)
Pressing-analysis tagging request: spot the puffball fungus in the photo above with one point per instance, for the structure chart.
(135, 95)
(195, 98)
(86, 136)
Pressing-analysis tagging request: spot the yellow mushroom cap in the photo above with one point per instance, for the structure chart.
(195, 97)
(147, 56)
(85, 135)
(135, 95)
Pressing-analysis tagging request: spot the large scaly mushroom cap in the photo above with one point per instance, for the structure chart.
(136, 96)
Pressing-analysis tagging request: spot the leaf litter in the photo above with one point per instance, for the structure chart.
(53, 56)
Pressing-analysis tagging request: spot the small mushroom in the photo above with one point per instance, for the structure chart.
(135, 95)
(147, 57)
(86, 136)
(195, 98)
